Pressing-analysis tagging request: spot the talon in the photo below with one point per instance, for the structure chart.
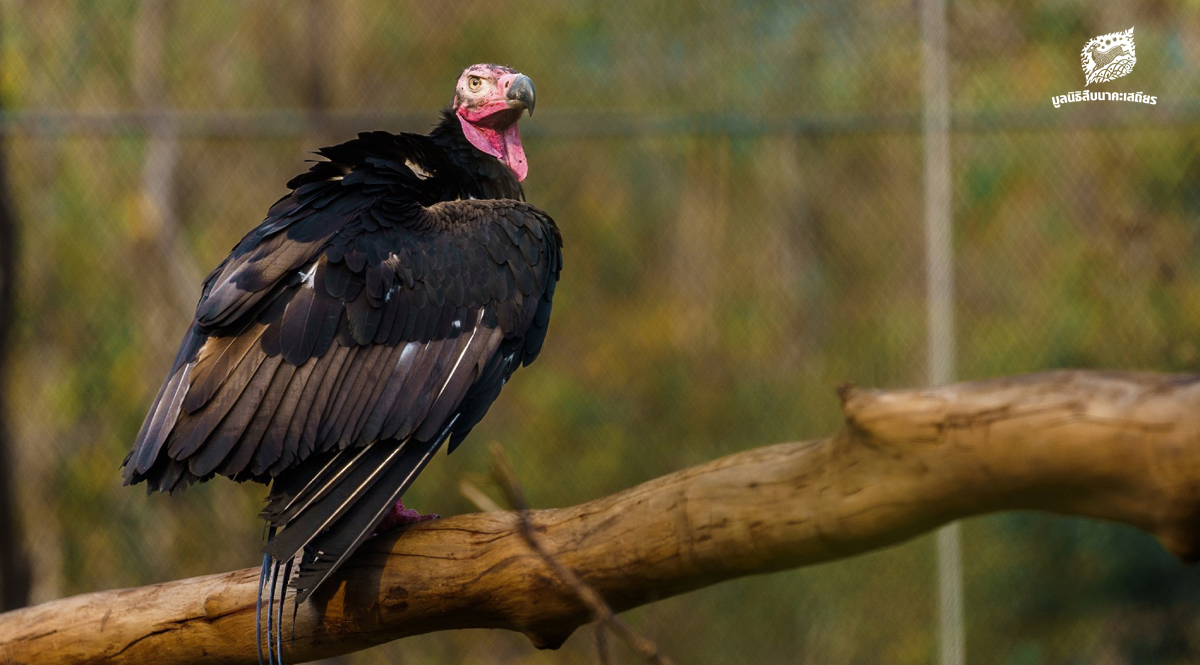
(400, 516)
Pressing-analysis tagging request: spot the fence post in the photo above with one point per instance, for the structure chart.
(15, 573)
(161, 159)
(939, 269)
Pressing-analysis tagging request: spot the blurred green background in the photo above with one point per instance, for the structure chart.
(740, 185)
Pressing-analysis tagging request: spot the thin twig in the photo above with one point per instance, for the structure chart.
(602, 643)
(601, 612)
(477, 497)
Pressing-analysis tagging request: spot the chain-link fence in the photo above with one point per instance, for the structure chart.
(741, 186)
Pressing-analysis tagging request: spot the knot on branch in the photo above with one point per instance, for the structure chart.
(901, 416)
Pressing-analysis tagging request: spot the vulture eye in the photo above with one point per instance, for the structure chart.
(474, 83)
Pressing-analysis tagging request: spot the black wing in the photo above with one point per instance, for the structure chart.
(353, 315)
(342, 278)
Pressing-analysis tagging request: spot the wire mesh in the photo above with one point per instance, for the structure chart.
(740, 185)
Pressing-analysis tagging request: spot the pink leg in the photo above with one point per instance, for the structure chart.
(401, 516)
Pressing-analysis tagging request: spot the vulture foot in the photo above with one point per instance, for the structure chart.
(400, 516)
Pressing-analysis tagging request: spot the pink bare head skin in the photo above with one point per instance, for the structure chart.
(488, 101)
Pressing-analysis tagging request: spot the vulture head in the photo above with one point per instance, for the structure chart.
(488, 101)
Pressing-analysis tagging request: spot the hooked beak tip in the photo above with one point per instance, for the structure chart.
(522, 92)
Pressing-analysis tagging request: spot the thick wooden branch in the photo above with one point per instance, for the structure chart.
(1121, 447)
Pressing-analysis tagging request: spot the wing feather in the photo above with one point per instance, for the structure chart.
(365, 405)
(326, 393)
(254, 443)
(297, 426)
(354, 394)
(276, 434)
(372, 428)
(215, 364)
(195, 427)
(160, 421)
(465, 373)
(233, 425)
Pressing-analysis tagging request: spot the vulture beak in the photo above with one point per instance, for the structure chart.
(520, 93)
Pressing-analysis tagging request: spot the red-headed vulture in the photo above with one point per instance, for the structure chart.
(371, 318)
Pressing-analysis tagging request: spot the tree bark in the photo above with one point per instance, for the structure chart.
(1123, 447)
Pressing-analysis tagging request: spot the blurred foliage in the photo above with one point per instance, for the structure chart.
(739, 184)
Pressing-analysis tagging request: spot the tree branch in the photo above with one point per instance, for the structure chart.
(601, 613)
(1122, 447)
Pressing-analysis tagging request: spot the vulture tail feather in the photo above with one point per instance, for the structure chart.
(271, 610)
(285, 503)
(339, 496)
(262, 578)
(262, 582)
(332, 545)
(287, 574)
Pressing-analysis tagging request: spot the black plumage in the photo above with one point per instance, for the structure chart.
(373, 316)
